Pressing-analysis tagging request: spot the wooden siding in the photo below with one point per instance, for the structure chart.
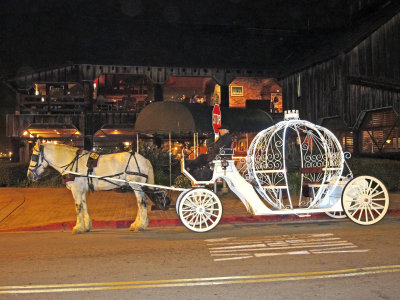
(329, 88)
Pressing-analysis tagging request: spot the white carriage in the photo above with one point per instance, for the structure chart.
(291, 153)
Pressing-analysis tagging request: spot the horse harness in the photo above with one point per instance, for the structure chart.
(92, 163)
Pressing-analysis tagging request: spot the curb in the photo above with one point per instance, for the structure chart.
(176, 222)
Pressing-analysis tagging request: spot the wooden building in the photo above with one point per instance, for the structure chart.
(339, 73)
(365, 75)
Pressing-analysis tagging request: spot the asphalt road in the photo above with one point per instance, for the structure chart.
(324, 260)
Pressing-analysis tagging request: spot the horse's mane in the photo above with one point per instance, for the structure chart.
(65, 147)
(74, 149)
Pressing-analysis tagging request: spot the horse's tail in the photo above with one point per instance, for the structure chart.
(156, 195)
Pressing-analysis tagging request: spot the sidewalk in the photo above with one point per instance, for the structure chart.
(54, 208)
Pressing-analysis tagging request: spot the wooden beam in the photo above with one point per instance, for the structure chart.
(374, 83)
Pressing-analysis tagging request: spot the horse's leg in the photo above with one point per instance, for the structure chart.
(141, 220)
(77, 194)
(86, 217)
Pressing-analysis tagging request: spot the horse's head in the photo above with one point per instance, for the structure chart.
(38, 162)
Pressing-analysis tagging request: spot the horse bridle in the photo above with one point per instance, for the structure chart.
(38, 158)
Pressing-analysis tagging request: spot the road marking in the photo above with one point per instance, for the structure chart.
(190, 282)
(269, 246)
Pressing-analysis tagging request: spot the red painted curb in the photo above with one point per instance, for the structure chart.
(176, 222)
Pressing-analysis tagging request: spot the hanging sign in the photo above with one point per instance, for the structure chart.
(216, 118)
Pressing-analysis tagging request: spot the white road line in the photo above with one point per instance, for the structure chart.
(229, 254)
(280, 245)
(282, 248)
(233, 258)
(340, 251)
(281, 253)
(240, 247)
(336, 248)
(268, 246)
(295, 236)
(305, 244)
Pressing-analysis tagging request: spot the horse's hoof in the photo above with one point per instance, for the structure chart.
(136, 228)
(88, 227)
(77, 230)
(140, 229)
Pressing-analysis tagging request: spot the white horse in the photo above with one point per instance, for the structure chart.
(127, 166)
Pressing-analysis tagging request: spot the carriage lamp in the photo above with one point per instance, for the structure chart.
(224, 164)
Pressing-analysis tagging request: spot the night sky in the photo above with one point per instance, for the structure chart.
(230, 33)
(269, 34)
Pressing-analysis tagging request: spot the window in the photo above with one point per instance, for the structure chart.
(237, 91)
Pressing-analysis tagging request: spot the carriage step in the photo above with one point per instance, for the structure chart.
(303, 215)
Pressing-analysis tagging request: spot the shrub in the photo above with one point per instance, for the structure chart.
(294, 183)
(182, 181)
(386, 170)
(159, 158)
(12, 174)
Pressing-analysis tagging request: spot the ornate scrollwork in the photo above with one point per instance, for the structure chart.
(318, 148)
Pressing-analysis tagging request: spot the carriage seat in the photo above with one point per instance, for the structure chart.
(308, 187)
(199, 168)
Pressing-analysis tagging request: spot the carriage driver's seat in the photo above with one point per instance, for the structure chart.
(200, 169)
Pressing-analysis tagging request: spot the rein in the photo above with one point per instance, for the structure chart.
(39, 157)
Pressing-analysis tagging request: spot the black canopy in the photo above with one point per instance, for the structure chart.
(182, 118)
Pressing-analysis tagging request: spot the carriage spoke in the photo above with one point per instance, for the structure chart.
(374, 189)
(355, 204)
(211, 215)
(208, 201)
(194, 205)
(369, 185)
(356, 210)
(187, 210)
(374, 195)
(359, 215)
(194, 219)
(201, 220)
(376, 205)
(377, 211)
(370, 211)
(188, 215)
(210, 204)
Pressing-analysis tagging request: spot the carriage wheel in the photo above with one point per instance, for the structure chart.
(365, 200)
(178, 201)
(200, 210)
(336, 214)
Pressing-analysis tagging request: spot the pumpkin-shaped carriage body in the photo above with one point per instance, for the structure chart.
(297, 154)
